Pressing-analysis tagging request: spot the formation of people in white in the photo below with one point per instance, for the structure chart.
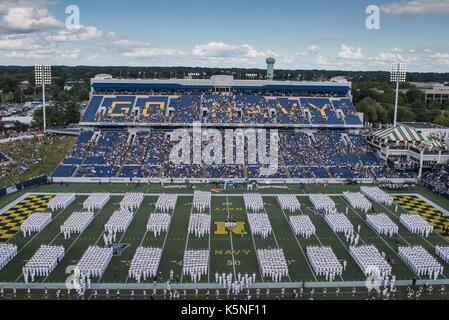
(377, 195)
(323, 203)
(253, 202)
(96, 201)
(421, 262)
(202, 200)
(35, 223)
(340, 223)
(272, 263)
(7, 253)
(416, 224)
(61, 201)
(289, 202)
(92, 264)
(370, 261)
(199, 224)
(358, 201)
(242, 281)
(145, 263)
(43, 262)
(302, 226)
(195, 264)
(260, 224)
(382, 224)
(76, 223)
(118, 222)
(324, 262)
(166, 202)
(132, 201)
(158, 223)
(442, 252)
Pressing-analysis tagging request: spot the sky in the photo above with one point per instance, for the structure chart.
(319, 34)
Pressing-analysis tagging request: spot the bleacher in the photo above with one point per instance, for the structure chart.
(315, 122)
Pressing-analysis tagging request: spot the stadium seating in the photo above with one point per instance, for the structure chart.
(346, 106)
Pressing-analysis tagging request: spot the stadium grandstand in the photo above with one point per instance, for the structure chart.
(127, 132)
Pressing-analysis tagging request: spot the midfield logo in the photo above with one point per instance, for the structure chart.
(238, 229)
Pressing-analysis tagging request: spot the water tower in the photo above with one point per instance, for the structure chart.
(270, 68)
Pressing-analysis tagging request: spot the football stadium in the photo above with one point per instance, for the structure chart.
(201, 151)
(129, 213)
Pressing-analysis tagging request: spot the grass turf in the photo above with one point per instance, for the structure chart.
(230, 253)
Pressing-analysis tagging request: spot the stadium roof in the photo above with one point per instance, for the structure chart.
(405, 134)
(218, 81)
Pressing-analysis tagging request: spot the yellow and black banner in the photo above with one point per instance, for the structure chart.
(434, 216)
(11, 220)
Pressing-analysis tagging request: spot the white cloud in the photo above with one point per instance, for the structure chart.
(28, 19)
(82, 34)
(223, 50)
(417, 7)
(39, 54)
(322, 61)
(441, 57)
(149, 52)
(350, 53)
(313, 50)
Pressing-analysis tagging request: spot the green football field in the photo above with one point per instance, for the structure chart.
(230, 252)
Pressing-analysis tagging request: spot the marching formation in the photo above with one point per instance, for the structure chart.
(195, 264)
(302, 226)
(199, 224)
(370, 261)
(202, 200)
(339, 223)
(273, 263)
(442, 252)
(158, 223)
(7, 253)
(377, 195)
(416, 224)
(166, 202)
(421, 262)
(289, 202)
(119, 221)
(145, 263)
(382, 224)
(323, 203)
(253, 202)
(131, 201)
(35, 223)
(93, 263)
(76, 223)
(43, 262)
(324, 262)
(260, 224)
(96, 201)
(358, 201)
(61, 201)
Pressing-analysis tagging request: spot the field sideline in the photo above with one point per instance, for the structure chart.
(230, 253)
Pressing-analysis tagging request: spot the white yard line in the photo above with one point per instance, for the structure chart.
(187, 242)
(299, 244)
(230, 236)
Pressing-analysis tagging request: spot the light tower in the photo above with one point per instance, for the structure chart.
(43, 77)
(270, 68)
(398, 74)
